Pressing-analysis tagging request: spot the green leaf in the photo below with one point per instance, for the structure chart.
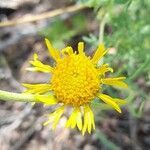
(121, 1)
(107, 144)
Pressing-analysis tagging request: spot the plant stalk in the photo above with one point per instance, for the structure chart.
(9, 96)
(101, 28)
(41, 16)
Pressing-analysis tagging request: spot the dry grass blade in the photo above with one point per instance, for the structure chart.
(42, 16)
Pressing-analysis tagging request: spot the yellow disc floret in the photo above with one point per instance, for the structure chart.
(75, 80)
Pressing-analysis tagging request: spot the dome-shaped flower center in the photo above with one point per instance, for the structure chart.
(75, 80)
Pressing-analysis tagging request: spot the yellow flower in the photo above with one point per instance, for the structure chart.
(76, 81)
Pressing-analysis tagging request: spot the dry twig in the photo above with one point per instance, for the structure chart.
(42, 16)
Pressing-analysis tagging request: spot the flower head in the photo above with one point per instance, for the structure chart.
(76, 81)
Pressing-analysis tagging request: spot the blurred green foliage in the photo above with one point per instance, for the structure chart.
(127, 33)
(60, 30)
(107, 144)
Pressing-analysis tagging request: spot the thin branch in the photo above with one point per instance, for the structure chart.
(42, 16)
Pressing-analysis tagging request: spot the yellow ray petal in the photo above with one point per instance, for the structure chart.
(80, 47)
(47, 122)
(39, 66)
(119, 101)
(104, 68)
(68, 50)
(79, 120)
(88, 120)
(55, 117)
(93, 123)
(110, 101)
(46, 99)
(71, 122)
(37, 88)
(115, 81)
(85, 125)
(53, 52)
(75, 119)
(100, 52)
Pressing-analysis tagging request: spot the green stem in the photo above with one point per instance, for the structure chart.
(9, 96)
(138, 71)
(101, 29)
